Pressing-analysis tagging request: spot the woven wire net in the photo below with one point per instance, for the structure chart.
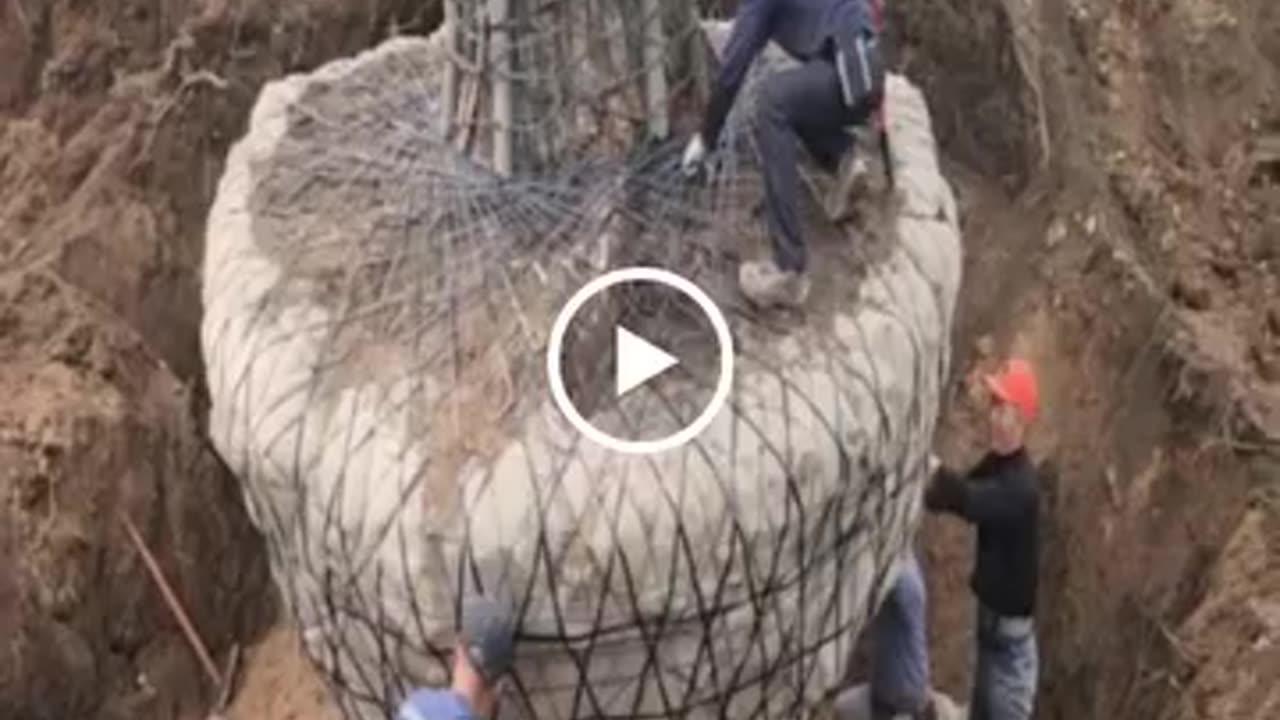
(379, 293)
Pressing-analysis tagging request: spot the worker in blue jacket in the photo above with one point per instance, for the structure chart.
(483, 655)
(838, 84)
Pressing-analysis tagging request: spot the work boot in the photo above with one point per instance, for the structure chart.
(852, 181)
(765, 284)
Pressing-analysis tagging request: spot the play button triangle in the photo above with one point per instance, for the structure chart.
(637, 360)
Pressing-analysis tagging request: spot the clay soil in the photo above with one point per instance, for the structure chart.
(1118, 166)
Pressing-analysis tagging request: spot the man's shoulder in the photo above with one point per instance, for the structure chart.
(908, 590)
(911, 586)
(1019, 465)
(1026, 481)
(1028, 469)
(434, 704)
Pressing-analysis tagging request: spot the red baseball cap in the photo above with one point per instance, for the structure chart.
(1016, 385)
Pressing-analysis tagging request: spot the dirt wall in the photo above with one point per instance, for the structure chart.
(94, 429)
(1134, 262)
(114, 121)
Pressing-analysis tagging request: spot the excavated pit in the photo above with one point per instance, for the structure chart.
(1102, 177)
(1165, 609)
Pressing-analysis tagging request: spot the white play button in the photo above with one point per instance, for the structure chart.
(637, 360)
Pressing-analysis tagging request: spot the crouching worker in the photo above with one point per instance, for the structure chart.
(838, 85)
(1000, 496)
(481, 657)
(899, 687)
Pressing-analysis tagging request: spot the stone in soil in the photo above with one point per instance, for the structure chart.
(1192, 291)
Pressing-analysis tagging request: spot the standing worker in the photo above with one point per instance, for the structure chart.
(481, 658)
(1001, 496)
(839, 84)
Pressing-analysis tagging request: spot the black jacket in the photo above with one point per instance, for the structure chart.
(801, 27)
(1002, 497)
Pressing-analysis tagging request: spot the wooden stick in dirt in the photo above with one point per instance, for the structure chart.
(228, 680)
(172, 600)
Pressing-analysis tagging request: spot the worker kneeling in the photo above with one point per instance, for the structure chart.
(899, 687)
(482, 656)
(838, 85)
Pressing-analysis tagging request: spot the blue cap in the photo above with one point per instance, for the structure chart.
(488, 635)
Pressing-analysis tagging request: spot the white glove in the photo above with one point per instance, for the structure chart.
(934, 464)
(694, 154)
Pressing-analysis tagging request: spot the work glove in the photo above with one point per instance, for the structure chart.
(695, 154)
(943, 490)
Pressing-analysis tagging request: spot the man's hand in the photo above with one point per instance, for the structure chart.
(943, 489)
(695, 154)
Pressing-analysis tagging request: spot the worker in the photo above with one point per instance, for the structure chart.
(838, 85)
(482, 656)
(899, 686)
(899, 679)
(1000, 496)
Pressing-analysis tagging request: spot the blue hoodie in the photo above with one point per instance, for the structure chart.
(800, 27)
(431, 704)
(900, 660)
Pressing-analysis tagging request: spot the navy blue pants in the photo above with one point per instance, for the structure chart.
(807, 105)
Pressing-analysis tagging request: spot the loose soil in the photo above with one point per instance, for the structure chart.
(1117, 164)
(280, 684)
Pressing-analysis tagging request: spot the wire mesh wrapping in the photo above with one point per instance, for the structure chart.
(378, 301)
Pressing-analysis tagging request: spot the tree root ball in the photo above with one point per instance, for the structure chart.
(376, 314)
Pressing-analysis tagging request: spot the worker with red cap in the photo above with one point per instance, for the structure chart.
(1000, 496)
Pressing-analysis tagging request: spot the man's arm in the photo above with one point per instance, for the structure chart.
(751, 30)
(433, 704)
(945, 491)
(975, 499)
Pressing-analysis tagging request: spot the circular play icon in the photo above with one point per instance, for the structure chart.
(639, 359)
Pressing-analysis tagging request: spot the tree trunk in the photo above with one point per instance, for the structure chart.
(501, 61)
(655, 69)
(550, 80)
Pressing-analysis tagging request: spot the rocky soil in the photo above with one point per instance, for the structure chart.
(1118, 164)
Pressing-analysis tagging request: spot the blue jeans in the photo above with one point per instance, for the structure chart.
(1005, 676)
(805, 105)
